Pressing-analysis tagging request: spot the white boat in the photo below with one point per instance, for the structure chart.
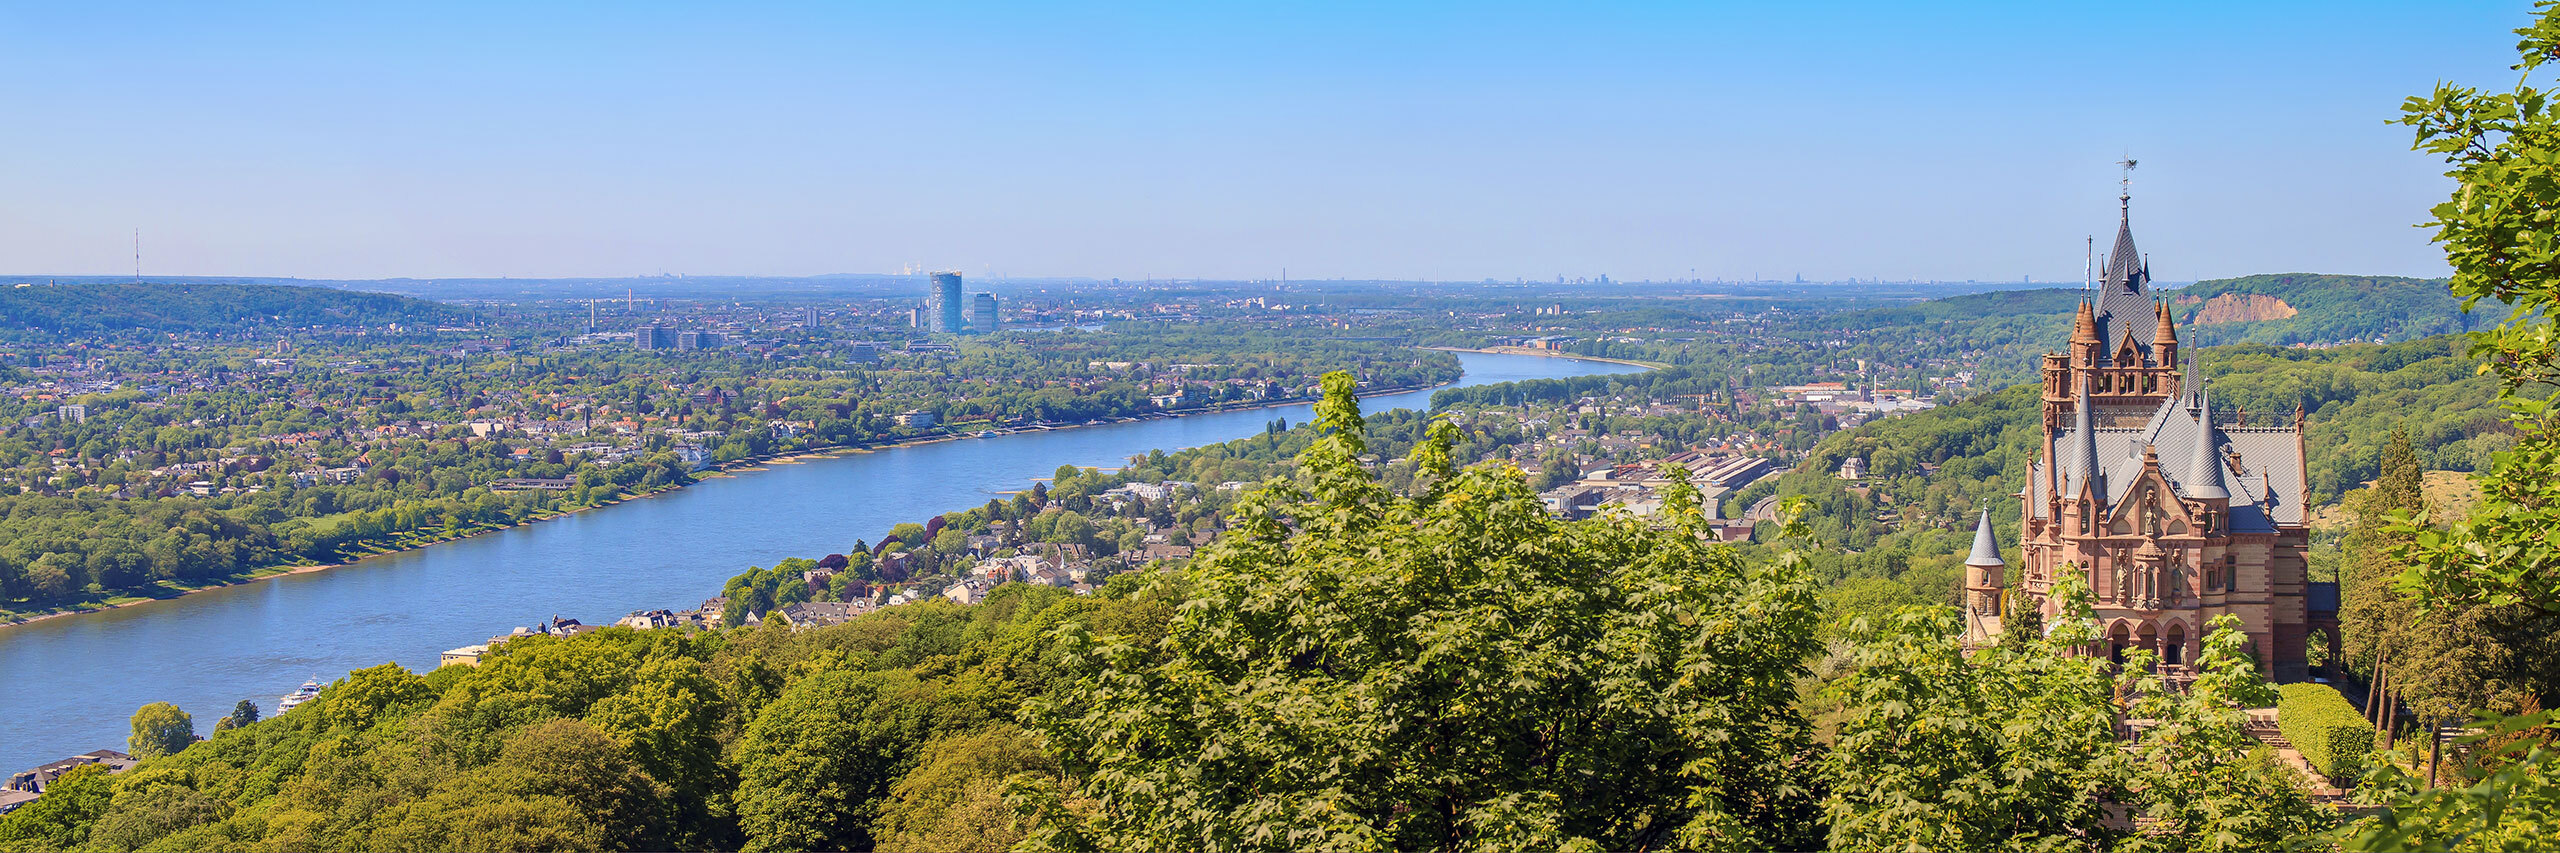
(309, 690)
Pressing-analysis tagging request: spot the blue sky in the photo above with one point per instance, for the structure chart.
(1444, 141)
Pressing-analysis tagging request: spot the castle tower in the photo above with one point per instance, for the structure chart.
(1984, 572)
(2171, 513)
(2123, 343)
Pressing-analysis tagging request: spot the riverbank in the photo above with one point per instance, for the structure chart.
(261, 639)
(1546, 353)
(173, 592)
(732, 468)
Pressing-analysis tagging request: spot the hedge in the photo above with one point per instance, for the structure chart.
(2326, 728)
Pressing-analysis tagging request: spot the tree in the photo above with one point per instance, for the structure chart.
(2515, 806)
(2024, 624)
(160, 729)
(241, 714)
(2497, 233)
(63, 817)
(557, 785)
(370, 695)
(814, 765)
(1454, 669)
(2013, 748)
(2205, 782)
(668, 720)
(955, 798)
(2373, 615)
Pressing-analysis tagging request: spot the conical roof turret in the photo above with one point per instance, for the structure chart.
(2084, 327)
(2204, 469)
(2167, 333)
(1986, 548)
(2084, 468)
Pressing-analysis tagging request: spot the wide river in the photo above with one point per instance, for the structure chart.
(73, 682)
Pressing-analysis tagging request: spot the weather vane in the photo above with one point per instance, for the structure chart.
(2126, 183)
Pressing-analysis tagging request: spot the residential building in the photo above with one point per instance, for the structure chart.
(802, 616)
(32, 782)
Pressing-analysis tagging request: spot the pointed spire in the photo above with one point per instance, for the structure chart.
(1986, 549)
(2126, 269)
(2084, 328)
(2167, 333)
(2204, 471)
(2084, 448)
(2192, 387)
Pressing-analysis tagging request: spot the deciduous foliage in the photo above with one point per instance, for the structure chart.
(1454, 670)
(63, 817)
(815, 764)
(2012, 749)
(2497, 232)
(2017, 748)
(159, 729)
(2203, 781)
(241, 714)
(955, 799)
(2516, 806)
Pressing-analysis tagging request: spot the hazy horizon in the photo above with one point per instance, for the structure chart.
(1435, 143)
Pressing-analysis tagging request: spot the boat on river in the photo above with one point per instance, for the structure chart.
(308, 691)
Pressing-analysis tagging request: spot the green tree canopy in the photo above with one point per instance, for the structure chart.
(1359, 670)
(160, 729)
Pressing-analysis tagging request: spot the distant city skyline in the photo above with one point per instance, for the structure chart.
(1452, 142)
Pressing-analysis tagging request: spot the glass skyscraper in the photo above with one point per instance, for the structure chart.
(947, 312)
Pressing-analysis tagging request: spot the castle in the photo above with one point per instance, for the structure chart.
(2173, 513)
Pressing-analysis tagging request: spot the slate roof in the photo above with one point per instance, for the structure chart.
(2267, 487)
(2124, 305)
(1986, 549)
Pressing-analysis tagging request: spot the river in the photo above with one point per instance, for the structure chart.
(73, 682)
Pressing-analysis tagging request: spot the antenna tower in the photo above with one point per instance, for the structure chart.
(137, 256)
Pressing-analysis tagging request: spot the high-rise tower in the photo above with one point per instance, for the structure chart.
(944, 302)
(982, 313)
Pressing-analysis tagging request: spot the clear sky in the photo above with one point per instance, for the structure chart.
(1443, 141)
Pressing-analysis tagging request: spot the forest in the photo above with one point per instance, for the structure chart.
(91, 310)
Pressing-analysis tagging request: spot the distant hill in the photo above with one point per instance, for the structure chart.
(2307, 308)
(102, 307)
